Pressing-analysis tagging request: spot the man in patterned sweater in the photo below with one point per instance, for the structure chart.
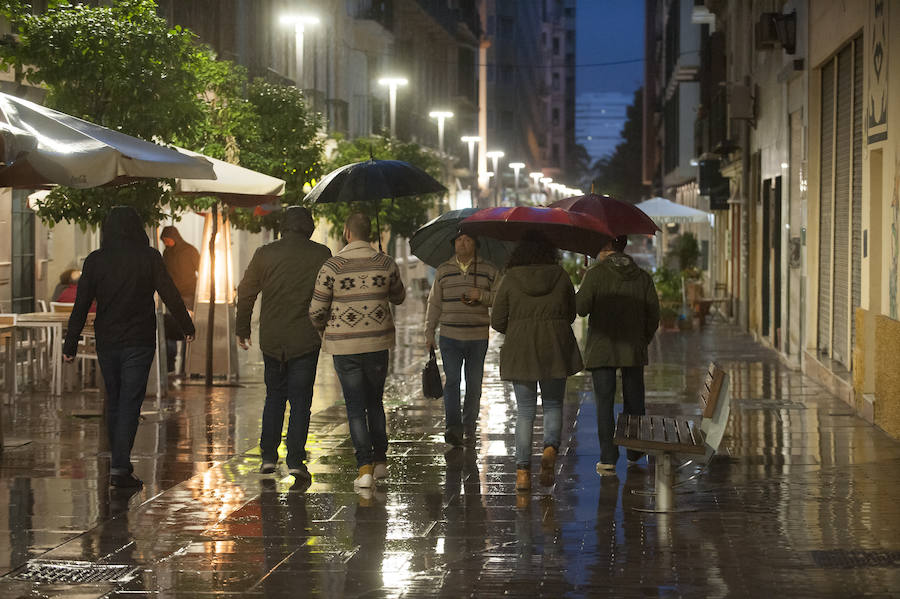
(350, 308)
(462, 292)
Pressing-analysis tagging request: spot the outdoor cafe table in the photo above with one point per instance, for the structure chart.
(56, 322)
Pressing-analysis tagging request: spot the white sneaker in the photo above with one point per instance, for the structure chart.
(604, 469)
(365, 479)
(380, 471)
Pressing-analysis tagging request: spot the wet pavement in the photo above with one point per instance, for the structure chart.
(803, 500)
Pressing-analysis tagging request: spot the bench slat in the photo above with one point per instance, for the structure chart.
(688, 444)
(672, 430)
(658, 429)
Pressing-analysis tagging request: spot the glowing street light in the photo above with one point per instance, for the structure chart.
(440, 115)
(471, 140)
(393, 83)
(516, 167)
(496, 155)
(299, 22)
(536, 176)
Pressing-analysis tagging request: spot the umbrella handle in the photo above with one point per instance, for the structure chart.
(378, 230)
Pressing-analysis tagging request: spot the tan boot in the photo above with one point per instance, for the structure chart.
(365, 479)
(548, 466)
(523, 479)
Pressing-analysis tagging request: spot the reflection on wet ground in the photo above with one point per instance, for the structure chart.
(803, 501)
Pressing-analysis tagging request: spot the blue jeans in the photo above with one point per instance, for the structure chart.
(453, 353)
(604, 380)
(291, 381)
(553, 391)
(125, 372)
(362, 379)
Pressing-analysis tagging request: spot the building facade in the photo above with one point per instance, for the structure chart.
(794, 116)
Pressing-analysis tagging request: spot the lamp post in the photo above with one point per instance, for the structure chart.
(471, 140)
(299, 22)
(516, 167)
(440, 115)
(496, 155)
(393, 83)
(536, 179)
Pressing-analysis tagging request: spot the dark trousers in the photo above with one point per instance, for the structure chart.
(287, 382)
(455, 352)
(125, 374)
(604, 380)
(362, 379)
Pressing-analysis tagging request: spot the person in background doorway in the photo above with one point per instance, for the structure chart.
(622, 307)
(183, 263)
(462, 292)
(284, 271)
(123, 276)
(68, 280)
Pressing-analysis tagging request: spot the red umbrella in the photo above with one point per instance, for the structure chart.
(571, 231)
(622, 218)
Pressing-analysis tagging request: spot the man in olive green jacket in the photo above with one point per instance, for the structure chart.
(623, 308)
(285, 272)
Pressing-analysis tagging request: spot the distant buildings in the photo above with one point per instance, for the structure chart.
(599, 120)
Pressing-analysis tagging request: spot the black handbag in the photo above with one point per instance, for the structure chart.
(432, 385)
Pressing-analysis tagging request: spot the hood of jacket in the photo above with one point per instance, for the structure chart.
(537, 279)
(297, 219)
(123, 228)
(622, 266)
(173, 234)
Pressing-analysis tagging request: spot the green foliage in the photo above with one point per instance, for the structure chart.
(686, 252)
(285, 144)
(668, 286)
(400, 216)
(119, 66)
(620, 175)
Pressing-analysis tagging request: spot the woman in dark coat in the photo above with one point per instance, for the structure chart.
(535, 308)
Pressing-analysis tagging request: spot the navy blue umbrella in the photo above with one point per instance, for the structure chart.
(373, 180)
(431, 242)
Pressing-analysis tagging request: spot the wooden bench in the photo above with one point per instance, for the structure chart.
(666, 437)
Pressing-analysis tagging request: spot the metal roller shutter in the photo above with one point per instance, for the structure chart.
(825, 197)
(856, 198)
(841, 274)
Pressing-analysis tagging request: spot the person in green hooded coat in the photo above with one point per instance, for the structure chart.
(623, 314)
(535, 307)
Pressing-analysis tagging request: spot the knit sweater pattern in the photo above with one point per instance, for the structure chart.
(458, 320)
(351, 300)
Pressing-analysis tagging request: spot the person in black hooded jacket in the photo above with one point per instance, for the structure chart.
(122, 277)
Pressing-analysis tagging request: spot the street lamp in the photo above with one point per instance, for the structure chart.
(393, 83)
(440, 115)
(496, 155)
(471, 140)
(516, 167)
(299, 22)
(536, 176)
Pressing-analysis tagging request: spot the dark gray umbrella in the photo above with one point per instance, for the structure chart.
(431, 242)
(373, 180)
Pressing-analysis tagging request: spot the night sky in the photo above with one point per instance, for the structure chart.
(609, 31)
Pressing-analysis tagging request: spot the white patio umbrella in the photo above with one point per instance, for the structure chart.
(237, 186)
(233, 184)
(44, 147)
(664, 211)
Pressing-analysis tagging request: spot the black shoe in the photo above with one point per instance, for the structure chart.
(453, 438)
(300, 485)
(267, 468)
(125, 481)
(470, 439)
(300, 473)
